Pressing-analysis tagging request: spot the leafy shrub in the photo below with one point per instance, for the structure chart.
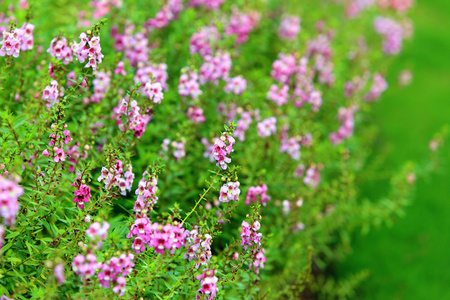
(201, 148)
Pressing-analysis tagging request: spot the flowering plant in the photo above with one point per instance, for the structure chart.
(145, 93)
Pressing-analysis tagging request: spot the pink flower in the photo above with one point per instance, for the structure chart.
(120, 69)
(378, 87)
(208, 285)
(97, 233)
(283, 68)
(60, 50)
(120, 287)
(59, 273)
(202, 41)
(9, 204)
(242, 125)
(51, 93)
(392, 32)
(222, 149)
(101, 85)
(267, 127)
(82, 195)
(102, 7)
(312, 177)
(235, 85)
(289, 27)
(88, 49)
(278, 95)
(2, 232)
(257, 191)
(229, 191)
(195, 115)
(189, 85)
(209, 4)
(46, 153)
(60, 155)
(67, 135)
(215, 67)
(345, 116)
(241, 24)
(291, 146)
(179, 151)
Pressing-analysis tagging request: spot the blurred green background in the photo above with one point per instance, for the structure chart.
(411, 259)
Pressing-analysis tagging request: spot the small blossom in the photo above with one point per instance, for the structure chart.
(229, 191)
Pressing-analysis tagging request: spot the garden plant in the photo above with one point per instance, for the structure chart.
(181, 149)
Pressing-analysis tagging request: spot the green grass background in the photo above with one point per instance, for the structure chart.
(411, 260)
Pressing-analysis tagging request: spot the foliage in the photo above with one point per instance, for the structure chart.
(137, 94)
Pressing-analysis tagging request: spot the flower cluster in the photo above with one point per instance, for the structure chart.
(223, 147)
(243, 125)
(146, 192)
(202, 41)
(114, 271)
(156, 73)
(178, 148)
(88, 49)
(51, 94)
(16, 40)
(102, 7)
(392, 32)
(199, 247)
(120, 69)
(355, 7)
(97, 233)
(208, 281)
(267, 127)
(346, 118)
(378, 87)
(283, 68)
(157, 236)
(397, 5)
(188, 85)
(304, 91)
(82, 194)
(291, 146)
(230, 191)
(101, 85)
(254, 192)
(215, 67)
(289, 27)
(195, 114)
(2, 232)
(133, 120)
(320, 50)
(117, 176)
(241, 24)
(153, 90)
(209, 147)
(167, 13)
(9, 200)
(60, 50)
(210, 4)
(10, 43)
(312, 177)
(278, 95)
(56, 139)
(135, 46)
(252, 239)
(235, 85)
(85, 266)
